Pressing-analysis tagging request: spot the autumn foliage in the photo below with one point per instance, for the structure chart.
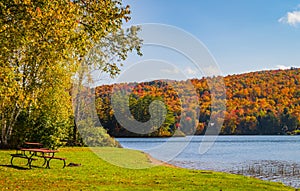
(257, 103)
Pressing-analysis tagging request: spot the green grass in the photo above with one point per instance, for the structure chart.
(97, 174)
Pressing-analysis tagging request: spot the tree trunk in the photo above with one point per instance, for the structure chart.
(75, 133)
(8, 123)
(3, 135)
(77, 101)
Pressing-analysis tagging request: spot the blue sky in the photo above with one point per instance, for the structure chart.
(242, 35)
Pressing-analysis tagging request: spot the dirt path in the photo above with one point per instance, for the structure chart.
(158, 162)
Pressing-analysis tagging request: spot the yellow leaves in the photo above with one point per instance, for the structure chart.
(3, 28)
(27, 2)
(49, 33)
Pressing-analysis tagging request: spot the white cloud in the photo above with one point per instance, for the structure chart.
(187, 71)
(283, 67)
(190, 71)
(170, 71)
(291, 18)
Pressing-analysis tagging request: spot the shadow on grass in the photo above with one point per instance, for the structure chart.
(21, 167)
(15, 167)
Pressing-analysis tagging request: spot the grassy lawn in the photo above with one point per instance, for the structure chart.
(96, 174)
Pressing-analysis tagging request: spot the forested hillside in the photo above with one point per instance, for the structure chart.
(258, 103)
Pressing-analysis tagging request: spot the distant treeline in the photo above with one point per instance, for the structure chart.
(257, 103)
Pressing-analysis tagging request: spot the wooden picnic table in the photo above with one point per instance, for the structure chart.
(33, 144)
(30, 153)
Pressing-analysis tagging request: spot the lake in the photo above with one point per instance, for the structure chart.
(275, 158)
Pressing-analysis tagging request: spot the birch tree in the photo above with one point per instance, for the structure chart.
(42, 44)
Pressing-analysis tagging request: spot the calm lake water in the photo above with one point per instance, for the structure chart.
(275, 158)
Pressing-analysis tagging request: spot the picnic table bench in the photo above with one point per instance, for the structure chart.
(30, 153)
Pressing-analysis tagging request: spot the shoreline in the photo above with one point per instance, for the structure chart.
(157, 162)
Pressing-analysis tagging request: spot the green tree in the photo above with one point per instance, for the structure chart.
(269, 124)
(34, 44)
(42, 44)
(288, 122)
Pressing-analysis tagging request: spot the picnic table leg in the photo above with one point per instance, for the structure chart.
(64, 163)
(49, 158)
(29, 162)
(45, 162)
(11, 161)
(48, 161)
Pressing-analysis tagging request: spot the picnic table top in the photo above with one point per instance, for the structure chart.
(33, 143)
(39, 150)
